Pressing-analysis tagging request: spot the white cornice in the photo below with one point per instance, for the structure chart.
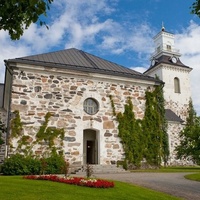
(169, 67)
(60, 71)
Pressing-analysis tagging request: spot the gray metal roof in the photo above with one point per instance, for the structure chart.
(167, 60)
(171, 116)
(75, 59)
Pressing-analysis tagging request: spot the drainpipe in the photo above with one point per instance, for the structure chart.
(9, 105)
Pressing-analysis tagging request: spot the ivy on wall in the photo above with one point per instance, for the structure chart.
(155, 128)
(147, 138)
(16, 125)
(48, 134)
(2, 131)
(130, 133)
(45, 135)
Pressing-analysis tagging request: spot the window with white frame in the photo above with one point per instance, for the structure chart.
(91, 106)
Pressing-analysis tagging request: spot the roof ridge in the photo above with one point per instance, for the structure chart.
(88, 59)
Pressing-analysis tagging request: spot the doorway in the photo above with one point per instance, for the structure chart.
(90, 147)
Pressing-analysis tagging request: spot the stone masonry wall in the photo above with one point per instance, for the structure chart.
(173, 132)
(180, 110)
(36, 93)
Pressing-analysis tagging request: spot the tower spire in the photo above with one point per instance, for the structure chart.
(163, 28)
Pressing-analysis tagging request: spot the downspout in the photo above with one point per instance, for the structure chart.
(9, 106)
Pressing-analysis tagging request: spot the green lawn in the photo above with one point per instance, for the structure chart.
(15, 187)
(171, 169)
(194, 177)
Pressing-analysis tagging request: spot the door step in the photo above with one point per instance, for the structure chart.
(96, 169)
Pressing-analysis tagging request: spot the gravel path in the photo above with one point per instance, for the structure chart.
(171, 183)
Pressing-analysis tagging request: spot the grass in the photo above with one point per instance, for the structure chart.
(15, 187)
(171, 169)
(194, 177)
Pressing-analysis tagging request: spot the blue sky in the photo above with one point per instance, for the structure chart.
(117, 30)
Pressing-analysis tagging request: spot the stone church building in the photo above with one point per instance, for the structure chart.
(75, 87)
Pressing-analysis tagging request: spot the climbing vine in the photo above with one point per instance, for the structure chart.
(48, 134)
(2, 131)
(146, 138)
(16, 125)
(155, 128)
(130, 133)
(45, 135)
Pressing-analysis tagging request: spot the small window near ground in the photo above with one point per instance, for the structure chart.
(177, 85)
(91, 106)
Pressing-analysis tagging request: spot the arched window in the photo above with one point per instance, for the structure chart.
(91, 106)
(177, 85)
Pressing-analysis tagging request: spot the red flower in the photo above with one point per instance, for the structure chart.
(96, 183)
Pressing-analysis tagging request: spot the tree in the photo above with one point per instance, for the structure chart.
(17, 15)
(146, 138)
(189, 146)
(130, 134)
(155, 128)
(195, 8)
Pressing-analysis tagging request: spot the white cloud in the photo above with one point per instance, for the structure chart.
(189, 42)
(73, 23)
(139, 69)
(10, 49)
(90, 23)
(136, 38)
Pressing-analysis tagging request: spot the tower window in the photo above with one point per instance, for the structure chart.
(177, 85)
(91, 106)
(158, 49)
(169, 48)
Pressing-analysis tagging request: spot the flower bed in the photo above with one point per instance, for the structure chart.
(95, 183)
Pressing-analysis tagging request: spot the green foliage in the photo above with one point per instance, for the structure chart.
(24, 145)
(17, 15)
(88, 170)
(155, 128)
(20, 165)
(45, 134)
(48, 134)
(195, 8)
(190, 137)
(130, 133)
(54, 164)
(16, 125)
(113, 105)
(2, 131)
(147, 138)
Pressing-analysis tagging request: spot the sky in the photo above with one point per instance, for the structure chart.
(120, 31)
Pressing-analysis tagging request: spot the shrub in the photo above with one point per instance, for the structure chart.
(33, 165)
(55, 164)
(89, 170)
(19, 165)
(27, 165)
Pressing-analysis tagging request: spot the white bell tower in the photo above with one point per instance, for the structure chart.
(166, 64)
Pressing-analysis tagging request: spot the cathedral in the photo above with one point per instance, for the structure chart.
(75, 87)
